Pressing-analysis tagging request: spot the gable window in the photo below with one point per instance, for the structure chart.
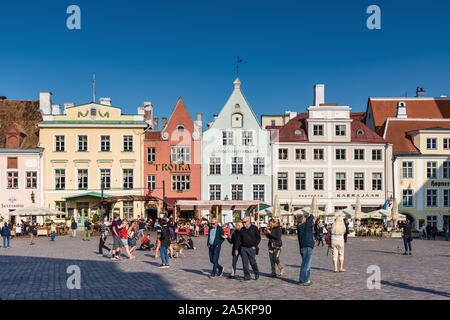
(258, 192)
(431, 143)
(283, 154)
(376, 155)
(127, 176)
(282, 181)
(105, 143)
(340, 181)
(227, 138)
(340, 154)
(180, 129)
(237, 164)
(82, 179)
(60, 179)
(83, 143)
(236, 120)
(359, 181)
(359, 154)
(181, 182)
(407, 169)
(300, 154)
(215, 191)
(247, 138)
(340, 130)
(180, 154)
(128, 143)
(258, 165)
(151, 154)
(214, 166)
(31, 179)
(13, 179)
(60, 144)
(317, 130)
(432, 170)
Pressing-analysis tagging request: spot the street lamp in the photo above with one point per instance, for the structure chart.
(32, 196)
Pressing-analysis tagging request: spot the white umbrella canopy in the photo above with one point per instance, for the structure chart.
(270, 212)
(394, 211)
(357, 212)
(35, 211)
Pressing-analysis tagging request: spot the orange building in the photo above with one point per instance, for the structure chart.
(172, 164)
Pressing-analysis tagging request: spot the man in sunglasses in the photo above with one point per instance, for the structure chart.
(250, 239)
(214, 243)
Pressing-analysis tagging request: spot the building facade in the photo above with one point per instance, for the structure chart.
(327, 154)
(89, 148)
(236, 156)
(419, 129)
(172, 162)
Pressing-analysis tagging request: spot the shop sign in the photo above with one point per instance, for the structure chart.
(440, 184)
(362, 195)
(310, 195)
(172, 167)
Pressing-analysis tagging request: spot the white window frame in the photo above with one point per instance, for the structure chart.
(381, 154)
(238, 163)
(186, 182)
(436, 143)
(18, 178)
(122, 178)
(54, 178)
(336, 154)
(443, 198)
(25, 179)
(247, 138)
(180, 154)
(336, 181)
(215, 164)
(100, 177)
(153, 154)
(412, 196)
(54, 142)
(363, 179)
(336, 130)
(76, 179)
(215, 191)
(259, 166)
(123, 142)
(78, 142)
(242, 190)
(305, 178)
(314, 130)
(100, 143)
(153, 182)
(363, 154)
(227, 138)
(436, 170)
(437, 198)
(448, 143)
(259, 191)
(412, 169)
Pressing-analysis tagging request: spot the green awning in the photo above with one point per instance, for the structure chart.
(87, 194)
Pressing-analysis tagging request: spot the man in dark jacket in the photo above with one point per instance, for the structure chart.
(74, 227)
(306, 244)
(407, 237)
(250, 238)
(275, 243)
(214, 243)
(165, 244)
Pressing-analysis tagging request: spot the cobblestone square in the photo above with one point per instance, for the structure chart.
(39, 272)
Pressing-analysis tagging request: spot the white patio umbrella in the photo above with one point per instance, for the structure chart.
(394, 212)
(35, 211)
(357, 212)
(314, 207)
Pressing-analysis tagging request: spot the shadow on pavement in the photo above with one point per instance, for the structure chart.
(408, 287)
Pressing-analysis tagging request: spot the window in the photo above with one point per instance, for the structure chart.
(31, 179)
(60, 179)
(214, 165)
(258, 192)
(181, 182)
(258, 166)
(376, 181)
(82, 179)
(407, 198)
(180, 154)
(13, 179)
(283, 154)
(82, 143)
(340, 130)
(105, 178)
(236, 120)
(237, 192)
(60, 206)
(105, 143)
(446, 143)
(60, 144)
(432, 170)
(318, 154)
(432, 197)
(446, 170)
(128, 209)
(127, 175)
(446, 196)
(282, 181)
(227, 138)
(237, 164)
(272, 122)
(247, 138)
(180, 129)
(407, 169)
(300, 181)
(340, 181)
(300, 154)
(128, 143)
(318, 181)
(376, 155)
(359, 181)
(151, 154)
(317, 130)
(358, 154)
(215, 191)
(340, 154)
(432, 220)
(431, 143)
(151, 182)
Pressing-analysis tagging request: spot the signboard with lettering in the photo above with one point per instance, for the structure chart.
(172, 167)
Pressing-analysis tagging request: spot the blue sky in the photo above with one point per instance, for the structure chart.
(160, 50)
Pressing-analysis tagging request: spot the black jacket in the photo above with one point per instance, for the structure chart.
(235, 241)
(74, 225)
(165, 235)
(407, 228)
(274, 238)
(249, 237)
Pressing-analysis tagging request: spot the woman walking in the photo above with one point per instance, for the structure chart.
(124, 237)
(6, 234)
(132, 237)
(165, 243)
(275, 243)
(337, 243)
(236, 249)
(158, 237)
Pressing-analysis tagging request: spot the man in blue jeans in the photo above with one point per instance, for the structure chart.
(214, 243)
(306, 244)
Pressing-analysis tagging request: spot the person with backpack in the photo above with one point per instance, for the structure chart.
(32, 231)
(87, 230)
(73, 227)
(338, 243)
(6, 234)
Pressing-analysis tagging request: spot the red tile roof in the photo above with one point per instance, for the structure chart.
(398, 133)
(424, 108)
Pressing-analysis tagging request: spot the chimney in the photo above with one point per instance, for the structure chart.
(105, 101)
(56, 109)
(199, 119)
(401, 110)
(319, 94)
(420, 92)
(3, 98)
(45, 102)
(215, 116)
(155, 122)
(163, 123)
(148, 112)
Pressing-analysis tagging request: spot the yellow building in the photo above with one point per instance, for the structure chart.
(84, 146)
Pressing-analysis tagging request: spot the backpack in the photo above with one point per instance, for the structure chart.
(328, 238)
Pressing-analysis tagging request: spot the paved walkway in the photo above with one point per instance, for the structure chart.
(39, 272)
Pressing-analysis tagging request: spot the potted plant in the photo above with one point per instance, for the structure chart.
(351, 232)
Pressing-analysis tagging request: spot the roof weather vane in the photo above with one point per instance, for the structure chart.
(237, 66)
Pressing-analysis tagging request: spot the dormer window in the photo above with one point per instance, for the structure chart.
(180, 129)
(318, 130)
(237, 120)
(340, 130)
(431, 143)
(360, 132)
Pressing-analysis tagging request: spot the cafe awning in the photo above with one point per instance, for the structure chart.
(87, 194)
(223, 204)
(35, 211)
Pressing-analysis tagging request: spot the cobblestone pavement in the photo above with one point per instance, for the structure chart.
(39, 272)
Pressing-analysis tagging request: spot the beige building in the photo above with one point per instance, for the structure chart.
(88, 145)
(327, 154)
